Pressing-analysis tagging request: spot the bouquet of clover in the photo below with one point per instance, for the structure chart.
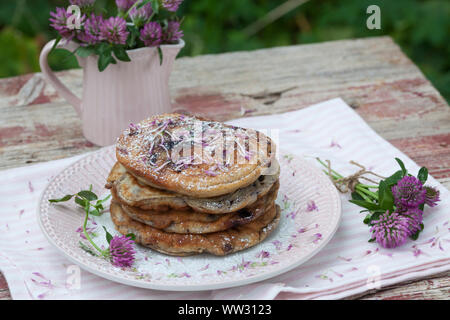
(138, 23)
(394, 207)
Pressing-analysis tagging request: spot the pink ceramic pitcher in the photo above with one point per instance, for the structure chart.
(124, 93)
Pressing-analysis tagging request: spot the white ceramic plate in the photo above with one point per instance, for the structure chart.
(311, 212)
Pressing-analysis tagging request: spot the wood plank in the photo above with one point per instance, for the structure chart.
(4, 291)
(434, 288)
(372, 75)
(432, 151)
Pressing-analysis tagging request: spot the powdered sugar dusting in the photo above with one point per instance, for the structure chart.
(182, 144)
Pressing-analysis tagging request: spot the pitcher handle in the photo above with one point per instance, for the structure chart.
(51, 77)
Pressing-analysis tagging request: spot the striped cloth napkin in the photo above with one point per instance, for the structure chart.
(348, 265)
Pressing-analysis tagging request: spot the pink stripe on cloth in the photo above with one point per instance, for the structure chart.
(348, 265)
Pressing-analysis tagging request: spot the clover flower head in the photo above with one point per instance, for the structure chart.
(409, 192)
(414, 218)
(124, 5)
(390, 230)
(151, 34)
(59, 21)
(142, 14)
(431, 196)
(172, 5)
(92, 33)
(82, 3)
(173, 32)
(114, 30)
(121, 250)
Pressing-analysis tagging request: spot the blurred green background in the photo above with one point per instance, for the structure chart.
(420, 27)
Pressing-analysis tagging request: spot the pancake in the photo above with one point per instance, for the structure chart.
(218, 243)
(129, 191)
(193, 157)
(201, 223)
(116, 172)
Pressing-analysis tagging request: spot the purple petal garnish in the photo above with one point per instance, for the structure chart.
(302, 230)
(204, 268)
(277, 244)
(345, 259)
(417, 252)
(335, 144)
(263, 254)
(311, 206)
(317, 237)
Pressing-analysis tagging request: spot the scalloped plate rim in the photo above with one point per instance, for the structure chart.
(181, 288)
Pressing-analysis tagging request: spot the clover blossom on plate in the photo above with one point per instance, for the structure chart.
(121, 250)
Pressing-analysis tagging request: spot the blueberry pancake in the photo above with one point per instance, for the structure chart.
(189, 221)
(129, 191)
(217, 243)
(193, 157)
(184, 186)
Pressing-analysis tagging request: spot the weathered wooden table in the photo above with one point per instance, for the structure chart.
(372, 75)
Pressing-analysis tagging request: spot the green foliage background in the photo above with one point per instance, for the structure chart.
(420, 27)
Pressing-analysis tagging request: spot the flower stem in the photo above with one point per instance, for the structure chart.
(129, 10)
(367, 186)
(150, 19)
(334, 177)
(88, 237)
(336, 173)
(362, 188)
(364, 196)
(370, 193)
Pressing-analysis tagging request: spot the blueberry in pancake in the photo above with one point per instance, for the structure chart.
(194, 157)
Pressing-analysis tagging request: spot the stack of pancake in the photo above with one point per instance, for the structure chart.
(184, 186)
